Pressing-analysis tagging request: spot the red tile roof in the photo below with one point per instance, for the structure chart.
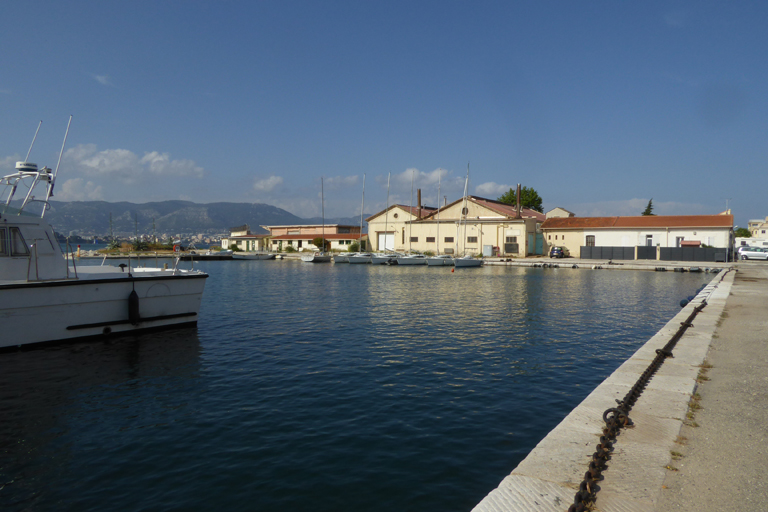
(425, 211)
(642, 221)
(328, 236)
(508, 209)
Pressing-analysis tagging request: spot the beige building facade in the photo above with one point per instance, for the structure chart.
(487, 227)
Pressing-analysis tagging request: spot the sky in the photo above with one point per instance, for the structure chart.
(598, 106)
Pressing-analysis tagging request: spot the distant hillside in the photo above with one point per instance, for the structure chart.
(92, 217)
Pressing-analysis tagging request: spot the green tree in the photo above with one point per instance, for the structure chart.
(742, 233)
(529, 198)
(648, 209)
(318, 242)
(353, 247)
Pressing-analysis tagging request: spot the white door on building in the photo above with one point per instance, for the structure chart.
(386, 241)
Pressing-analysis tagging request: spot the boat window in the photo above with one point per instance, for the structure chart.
(18, 247)
(3, 242)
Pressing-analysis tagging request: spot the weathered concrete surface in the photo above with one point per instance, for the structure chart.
(548, 478)
(725, 459)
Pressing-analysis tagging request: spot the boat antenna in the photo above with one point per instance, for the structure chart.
(52, 179)
(33, 140)
(362, 206)
(439, 175)
(465, 211)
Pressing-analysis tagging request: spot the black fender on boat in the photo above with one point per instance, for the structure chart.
(133, 308)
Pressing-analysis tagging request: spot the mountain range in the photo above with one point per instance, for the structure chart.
(177, 217)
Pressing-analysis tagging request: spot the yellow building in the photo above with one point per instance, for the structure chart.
(486, 227)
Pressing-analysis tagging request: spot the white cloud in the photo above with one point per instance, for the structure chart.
(77, 189)
(161, 163)
(267, 184)
(102, 79)
(9, 162)
(126, 166)
(337, 182)
(491, 190)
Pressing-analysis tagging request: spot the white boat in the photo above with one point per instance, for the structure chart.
(384, 258)
(412, 259)
(43, 298)
(316, 257)
(466, 261)
(359, 257)
(320, 256)
(341, 258)
(253, 256)
(440, 261)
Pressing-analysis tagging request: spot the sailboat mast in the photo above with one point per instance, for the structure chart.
(322, 210)
(410, 223)
(386, 215)
(439, 175)
(362, 206)
(464, 212)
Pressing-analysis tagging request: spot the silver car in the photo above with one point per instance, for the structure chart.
(753, 253)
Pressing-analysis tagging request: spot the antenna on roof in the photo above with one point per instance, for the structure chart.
(33, 140)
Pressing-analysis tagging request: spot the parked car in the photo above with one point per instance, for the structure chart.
(559, 252)
(752, 253)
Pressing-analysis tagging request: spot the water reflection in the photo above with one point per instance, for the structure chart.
(52, 397)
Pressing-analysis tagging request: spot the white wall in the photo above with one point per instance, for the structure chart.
(661, 237)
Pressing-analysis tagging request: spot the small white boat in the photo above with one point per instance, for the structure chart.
(467, 261)
(341, 258)
(43, 298)
(441, 260)
(253, 256)
(384, 258)
(359, 257)
(316, 257)
(412, 259)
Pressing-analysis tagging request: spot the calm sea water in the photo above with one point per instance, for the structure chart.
(322, 387)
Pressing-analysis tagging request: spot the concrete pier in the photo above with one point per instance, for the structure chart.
(641, 475)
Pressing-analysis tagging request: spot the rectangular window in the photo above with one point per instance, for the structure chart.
(299, 242)
(679, 241)
(402, 238)
(555, 237)
(414, 239)
(549, 237)
(3, 244)
(449, 239)
(18, 247)
(511, 239)
(649, 240)
(430, 239)
(471, 239)
(590, 240)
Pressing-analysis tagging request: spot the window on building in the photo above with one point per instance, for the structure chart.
(511, 239)
(299, 242)
(649, 240)
(414, 239)
(448, 240)
(590, 240)
(679, 241)
(549, 237)
(402, 237)
(555, 237)
(471, 239)
(430, 239)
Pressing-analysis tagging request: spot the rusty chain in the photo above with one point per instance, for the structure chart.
(617, 418)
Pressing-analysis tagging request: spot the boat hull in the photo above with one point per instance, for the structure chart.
(46, 311)
(316, 258)
(253, 256)
(357, 260)
(440, 262)
(411, 261)
(341, 259)
(467, 262)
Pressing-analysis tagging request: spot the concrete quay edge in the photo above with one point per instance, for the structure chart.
(548, 478)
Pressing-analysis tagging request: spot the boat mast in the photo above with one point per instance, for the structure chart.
(386, 215)
(410, 223)
(439, 175)
(464, 212)
(322, 210)
(362, 206)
